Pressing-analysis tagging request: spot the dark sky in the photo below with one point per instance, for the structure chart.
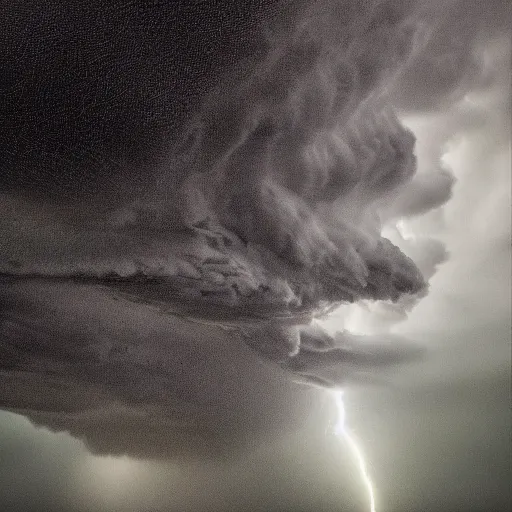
(92, 92)
(216, 214)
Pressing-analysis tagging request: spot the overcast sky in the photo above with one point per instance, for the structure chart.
(213, 214)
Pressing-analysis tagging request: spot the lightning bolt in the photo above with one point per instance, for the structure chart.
(341, 431)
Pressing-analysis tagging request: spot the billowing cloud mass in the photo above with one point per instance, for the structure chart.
(274, 208)
(268, 205)
(128, 379)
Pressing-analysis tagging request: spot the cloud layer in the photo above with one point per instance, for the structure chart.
(269, 203)
(265, 205)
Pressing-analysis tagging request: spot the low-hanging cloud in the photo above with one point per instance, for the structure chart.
(271, 205)
(127, 379)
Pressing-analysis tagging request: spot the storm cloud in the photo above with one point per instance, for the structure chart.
(263, 196)
(268, 202)
(128, 379)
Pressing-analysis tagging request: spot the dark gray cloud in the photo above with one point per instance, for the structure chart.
(266, 204)
(314, 356)
(452, 59)
(267, 198)
(91, 94)
(128, 379)
(218, 212)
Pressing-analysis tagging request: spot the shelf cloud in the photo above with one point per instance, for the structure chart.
(263, 196)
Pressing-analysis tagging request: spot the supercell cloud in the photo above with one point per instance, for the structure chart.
(269, 200)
